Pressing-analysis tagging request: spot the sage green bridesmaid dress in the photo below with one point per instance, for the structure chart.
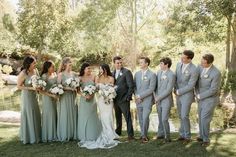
(49, 113)
(67, 114)
(30, 128)
(89, 125)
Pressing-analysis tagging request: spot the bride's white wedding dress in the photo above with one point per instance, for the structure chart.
(108, 134)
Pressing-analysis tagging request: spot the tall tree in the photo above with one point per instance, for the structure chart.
(46, 26)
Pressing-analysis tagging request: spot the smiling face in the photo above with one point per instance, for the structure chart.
(163, 66)
(185, 59)
(51, 69)
(68, 66)
(204, 63)
(32, 66)
(118, 64)
(143, 64)
(88, 70)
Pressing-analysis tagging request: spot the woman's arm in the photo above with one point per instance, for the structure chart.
(20, 82)
(49, 94)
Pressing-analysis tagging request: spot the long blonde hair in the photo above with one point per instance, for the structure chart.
(63, 64)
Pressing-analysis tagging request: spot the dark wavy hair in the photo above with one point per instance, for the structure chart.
(46, 66)
(83, 67)
(27, 62)
(106, 68)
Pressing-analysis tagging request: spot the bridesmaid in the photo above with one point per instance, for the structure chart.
(30, 128)
(89, 126)
(49, 113)
(67, 109)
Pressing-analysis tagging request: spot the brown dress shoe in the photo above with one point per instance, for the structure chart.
(205, 144)
(180, 139)
(187, 140)
(167, 140)
(130, 138)
(145, 140)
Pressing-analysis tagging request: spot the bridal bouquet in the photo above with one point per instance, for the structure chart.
(108, 92)
(89, 89)
(73, 82)
(38, 82)
(56, 89)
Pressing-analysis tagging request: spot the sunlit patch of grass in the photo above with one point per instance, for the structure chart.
(222, 144)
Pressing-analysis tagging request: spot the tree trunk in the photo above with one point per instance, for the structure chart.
(133, 32)
(227, 62)
(233, 52)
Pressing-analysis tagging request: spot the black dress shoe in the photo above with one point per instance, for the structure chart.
(118, 133)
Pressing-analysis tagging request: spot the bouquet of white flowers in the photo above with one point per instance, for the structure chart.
(89, 89)
(73, 82)
(6, 69)
(38, 82)
(108, 92)
(56, 89)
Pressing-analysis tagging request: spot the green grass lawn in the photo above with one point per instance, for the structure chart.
(222, 144)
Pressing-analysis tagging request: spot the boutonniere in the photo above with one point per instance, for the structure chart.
(121, 73)
(205, 76)
(144, 78)
(164, 77)
(186, 72)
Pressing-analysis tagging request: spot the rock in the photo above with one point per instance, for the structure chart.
(10, 116)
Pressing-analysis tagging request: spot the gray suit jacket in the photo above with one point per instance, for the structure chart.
(208, 85)
(165, 85)
(185, 82)
(145, 87)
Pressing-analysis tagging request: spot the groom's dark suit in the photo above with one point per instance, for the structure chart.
(125, 88)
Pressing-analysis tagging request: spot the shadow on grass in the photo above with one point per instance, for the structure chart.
(223, 145)
(8, 126)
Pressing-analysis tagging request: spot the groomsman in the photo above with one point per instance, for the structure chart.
(207, 93)
(125, 87)
(145, 84)
(186, 77)
(164, 98)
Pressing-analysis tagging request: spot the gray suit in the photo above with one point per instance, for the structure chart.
(163, 93)
(208, 87)
(185, 83)
(144, 88)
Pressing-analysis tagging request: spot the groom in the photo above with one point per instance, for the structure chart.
(124, 82)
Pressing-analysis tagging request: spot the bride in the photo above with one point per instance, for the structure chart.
(108, 135)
